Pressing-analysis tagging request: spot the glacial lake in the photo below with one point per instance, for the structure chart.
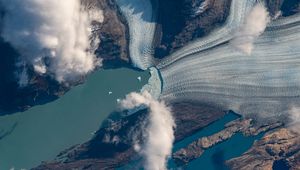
(41, 132)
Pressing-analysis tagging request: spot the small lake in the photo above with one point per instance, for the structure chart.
(40, 133)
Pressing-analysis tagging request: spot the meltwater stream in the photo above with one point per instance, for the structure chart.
(40, 133)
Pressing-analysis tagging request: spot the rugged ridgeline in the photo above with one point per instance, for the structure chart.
(158, 27)
(277, 150)
(220, 35)
(182, 21)
(113, 34)
(195, 149)
(113, 49)
(112, 145)
(285, 7)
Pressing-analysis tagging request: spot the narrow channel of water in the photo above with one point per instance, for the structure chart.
(40, 133)
(215, 157)
(206, 131)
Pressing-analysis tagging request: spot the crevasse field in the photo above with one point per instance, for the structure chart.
(210, 70)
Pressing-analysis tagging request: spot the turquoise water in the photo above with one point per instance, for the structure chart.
(40, 133)
(213, 158)
(207, 131)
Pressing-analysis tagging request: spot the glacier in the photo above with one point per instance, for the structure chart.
(211, 71)
(141, 22)
(238, 11)
(266, 82)
(154, 85)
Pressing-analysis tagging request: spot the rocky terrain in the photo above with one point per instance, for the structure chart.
(181, 21)
(112, 145)
(285, 7)
(196, 148)
(113, 47)
(41, 89)
(192, 19)
(278, 150)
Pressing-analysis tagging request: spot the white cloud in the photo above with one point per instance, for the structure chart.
(51, 35)
(21, 74)
(159, 131)
(255, 24)
(294, 116)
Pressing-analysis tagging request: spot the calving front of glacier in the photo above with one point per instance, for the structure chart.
(141, 22)
(211, 71)
(267, 82)
(154, 83)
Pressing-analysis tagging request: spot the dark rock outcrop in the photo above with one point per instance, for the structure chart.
(191, 116)
(112, 145)
(290, 7)
(276, 150)
(42, 89)
(113, 34)
(181, 21)
(286, 7)
(113, 49)
(110, 148)
(196, 148)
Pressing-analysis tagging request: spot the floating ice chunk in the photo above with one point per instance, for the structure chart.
(118, 100)
(109, 92)
(139, 78)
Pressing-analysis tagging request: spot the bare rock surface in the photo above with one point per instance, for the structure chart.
(112, 145)
(41, 89)
(276, 150)
(196, 148)
(181, 21)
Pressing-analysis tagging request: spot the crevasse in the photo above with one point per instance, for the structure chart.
(141, 22)
(211, 71)
(266, 82)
